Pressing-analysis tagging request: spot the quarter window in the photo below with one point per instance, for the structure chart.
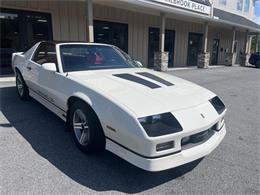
(45, 53)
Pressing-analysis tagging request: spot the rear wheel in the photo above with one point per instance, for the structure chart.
(87, 131)
(21, 87)
(252, 61)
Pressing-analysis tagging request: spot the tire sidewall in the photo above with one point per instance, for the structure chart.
(25, 94)
(96, 133)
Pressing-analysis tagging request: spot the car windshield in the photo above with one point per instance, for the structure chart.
(80, 57)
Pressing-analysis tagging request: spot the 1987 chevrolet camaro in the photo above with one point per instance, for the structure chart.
(109, 101)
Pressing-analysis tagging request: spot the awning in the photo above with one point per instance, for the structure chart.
(170, 8)
(236, 19)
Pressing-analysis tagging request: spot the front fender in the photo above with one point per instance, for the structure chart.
(118, 123)
(83, 97)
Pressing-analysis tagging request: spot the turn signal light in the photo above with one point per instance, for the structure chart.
(164, 146)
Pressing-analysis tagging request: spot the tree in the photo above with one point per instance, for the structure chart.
(253, 44)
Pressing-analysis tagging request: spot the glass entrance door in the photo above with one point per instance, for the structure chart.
(194, 48)
(153, 45)
(19, 31)
(169, 45)
(214, 58)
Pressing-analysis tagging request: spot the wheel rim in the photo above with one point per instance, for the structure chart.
(19, 84)
(81, 127)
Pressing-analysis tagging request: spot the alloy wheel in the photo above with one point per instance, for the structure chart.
(19, 85)
(81, 127)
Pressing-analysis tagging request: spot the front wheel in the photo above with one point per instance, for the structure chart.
(87, 131)
(21, 87)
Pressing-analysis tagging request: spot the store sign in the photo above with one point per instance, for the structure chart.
(188, 4)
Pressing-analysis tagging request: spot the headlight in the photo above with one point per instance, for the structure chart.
(217, 104)
(160, 124)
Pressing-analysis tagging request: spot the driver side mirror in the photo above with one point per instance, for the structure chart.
(139, 64)
(49, 66)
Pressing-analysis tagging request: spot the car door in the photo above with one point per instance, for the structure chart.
(49, 84)
(40, 80)
(33, 67)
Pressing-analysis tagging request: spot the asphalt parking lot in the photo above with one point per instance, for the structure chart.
(37, 155)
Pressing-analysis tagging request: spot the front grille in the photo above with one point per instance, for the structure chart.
(196, 139)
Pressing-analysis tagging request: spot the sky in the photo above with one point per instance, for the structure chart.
(257, 8)
(257, 11)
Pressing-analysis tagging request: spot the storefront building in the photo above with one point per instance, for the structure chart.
(188, 32)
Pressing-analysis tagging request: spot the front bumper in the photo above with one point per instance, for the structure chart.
(169, 161)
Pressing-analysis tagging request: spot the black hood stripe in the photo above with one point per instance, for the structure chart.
(137, 80)
(156, 78)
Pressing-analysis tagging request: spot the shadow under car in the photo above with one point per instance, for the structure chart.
(100, 172)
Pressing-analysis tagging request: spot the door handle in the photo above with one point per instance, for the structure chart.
(28, 67)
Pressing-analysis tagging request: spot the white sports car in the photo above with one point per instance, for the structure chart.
(151, 119)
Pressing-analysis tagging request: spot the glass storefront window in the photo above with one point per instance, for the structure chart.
(153, 45)
(37, 25)
(9, 37)
(19, 31)
(247, 5)
(239, 5)
(223, 2)
(111, 33)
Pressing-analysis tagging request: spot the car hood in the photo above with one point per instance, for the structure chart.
(142, 93)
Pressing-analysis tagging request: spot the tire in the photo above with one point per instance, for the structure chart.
(252, 61)
(21, 87)
(86, 128)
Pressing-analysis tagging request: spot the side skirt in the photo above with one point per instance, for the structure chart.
(59, 112)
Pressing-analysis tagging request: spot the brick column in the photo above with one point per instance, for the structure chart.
(161, 61)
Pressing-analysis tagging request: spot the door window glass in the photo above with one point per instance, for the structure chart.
(153, 45)
(235, 47)
(215, 48)
(169, 45)
(194, 48)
